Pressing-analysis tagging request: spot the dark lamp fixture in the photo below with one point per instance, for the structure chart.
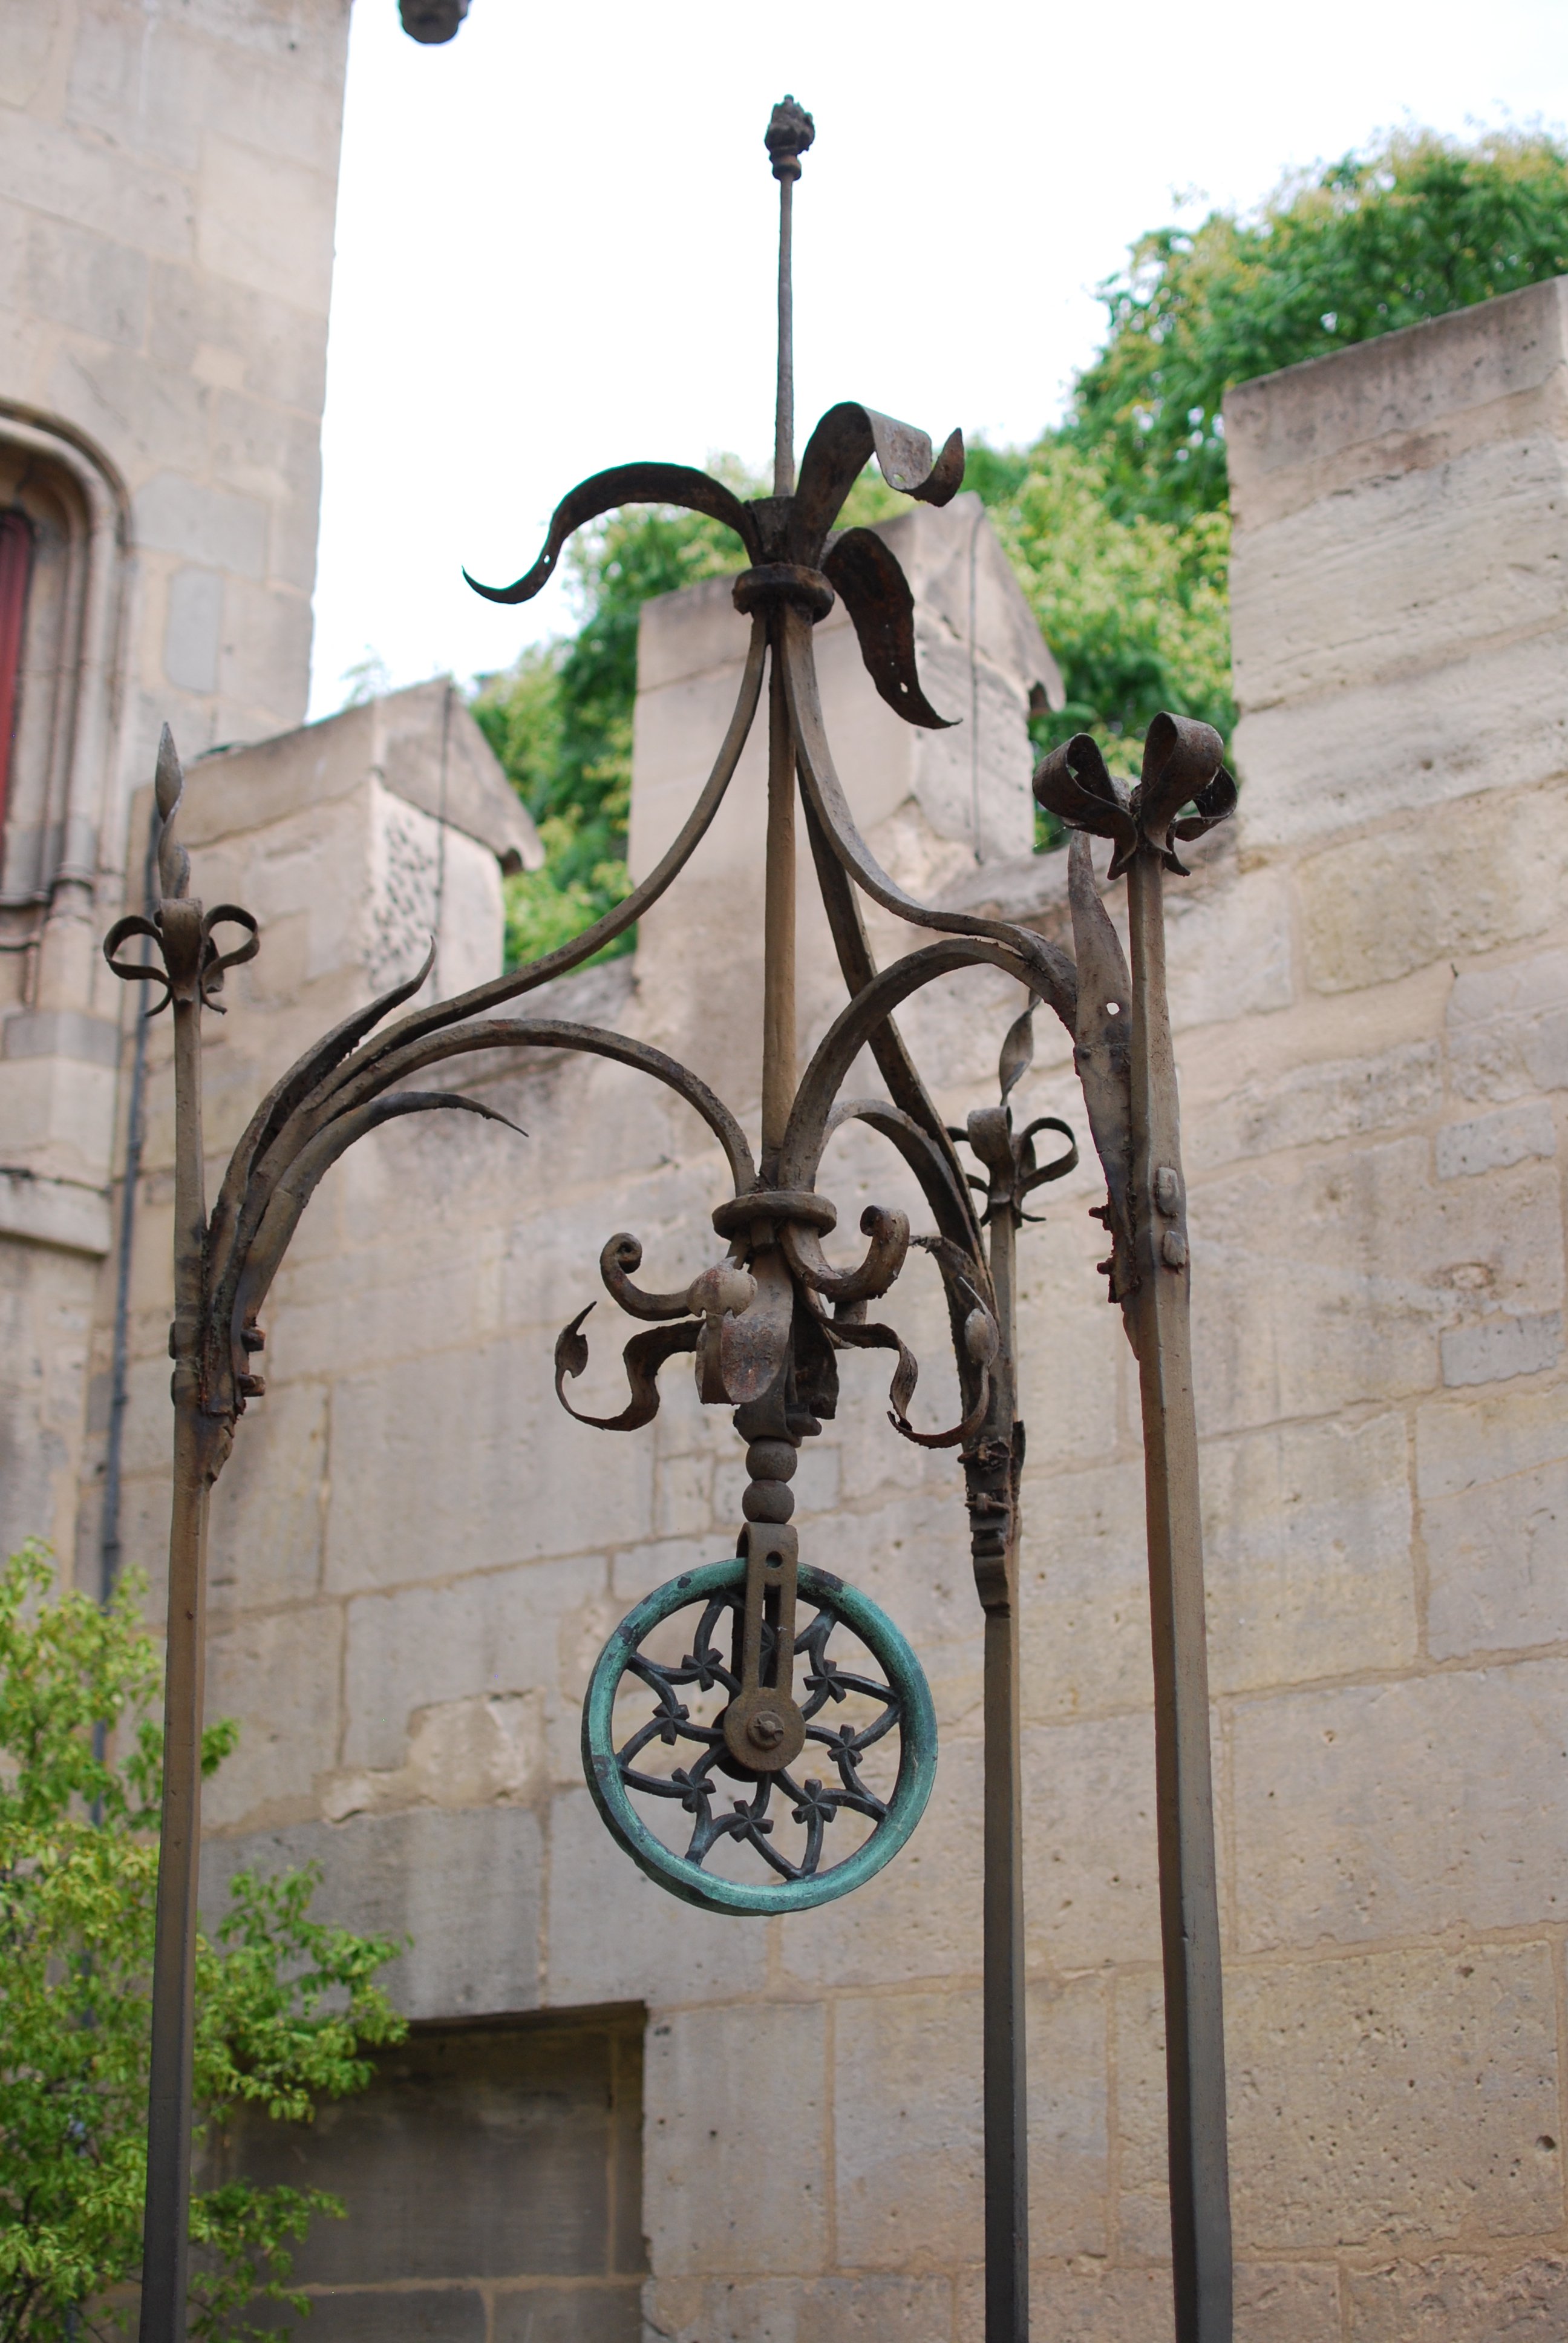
(431, 20)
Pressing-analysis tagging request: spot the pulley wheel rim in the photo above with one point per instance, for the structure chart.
(681, 1876)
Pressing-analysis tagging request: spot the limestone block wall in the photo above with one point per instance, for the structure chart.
(416, 1556)
(167, 184)
(491, 2177)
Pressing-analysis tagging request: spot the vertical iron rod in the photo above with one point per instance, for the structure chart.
(789, 134)
(166, 2248)
(1188, 1905)
(784, 408)
(779, 1035)
(1006, 2087)
(1006, 2094)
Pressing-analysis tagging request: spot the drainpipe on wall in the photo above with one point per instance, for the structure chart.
(135, 1134)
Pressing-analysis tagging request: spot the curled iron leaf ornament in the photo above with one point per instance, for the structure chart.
(875, 593)
(627, 483)
(182, 933)
(1182, 765)
(643, 1357)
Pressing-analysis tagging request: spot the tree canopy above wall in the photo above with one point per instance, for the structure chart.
(1116, 520)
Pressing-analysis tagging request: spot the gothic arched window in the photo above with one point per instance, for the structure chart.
(15, 563)
(61, 538)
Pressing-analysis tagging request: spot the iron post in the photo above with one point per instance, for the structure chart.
(1127, 1064)
(1159, 1320)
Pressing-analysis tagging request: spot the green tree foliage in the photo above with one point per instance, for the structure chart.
(1417, 226)
(285, 2005)
(1135, 610)
(1118, 523)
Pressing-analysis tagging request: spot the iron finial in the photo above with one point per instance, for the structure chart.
(791, 131)
(168, 788)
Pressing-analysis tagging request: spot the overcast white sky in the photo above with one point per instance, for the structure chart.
(555, 237)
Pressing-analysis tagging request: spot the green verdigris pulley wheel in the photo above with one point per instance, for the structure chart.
(714, 1832)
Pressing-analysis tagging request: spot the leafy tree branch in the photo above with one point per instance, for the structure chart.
(1117, 522)
(286, 2006)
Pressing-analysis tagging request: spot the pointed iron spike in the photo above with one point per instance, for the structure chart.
(168, 788)
(1018, 1048)
(486, 1113)
(170, 779)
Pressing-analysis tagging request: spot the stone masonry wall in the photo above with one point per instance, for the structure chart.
(492, 2180)
(416, 1556)
(168, 186)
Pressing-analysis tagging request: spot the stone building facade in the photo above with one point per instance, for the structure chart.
(727, 2131)
(167, 181)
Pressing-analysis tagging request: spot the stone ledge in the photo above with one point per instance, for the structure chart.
(426, 750)
(1394, 403)
(61, 1033)
(1500, 1348)
(59, 1213)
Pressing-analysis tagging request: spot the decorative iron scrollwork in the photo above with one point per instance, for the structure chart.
(749, 1701)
